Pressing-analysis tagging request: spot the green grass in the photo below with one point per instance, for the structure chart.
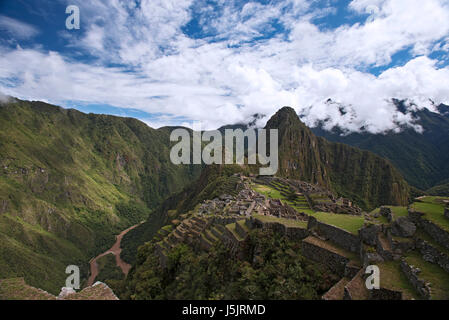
(425, 236)
(300, 204)
(346, 222)
(433, 199)
(349, 223)
(432, 273)
(392, 277)
(286, 222)
(242, 224)
(231, 227)
(268, 191)
(433, 212)
(398, 211)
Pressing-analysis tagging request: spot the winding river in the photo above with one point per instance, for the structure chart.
(115, 250)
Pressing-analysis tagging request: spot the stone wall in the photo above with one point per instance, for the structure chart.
(387, 213)
(332, 260)
(432, 254)
(436, 232)
(293, 233)
(224, 220)
(412, 275)
(240, 230)
(369, 233)
(339, 236)
(385, 294)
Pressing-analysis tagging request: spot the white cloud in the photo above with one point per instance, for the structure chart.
(220, 84)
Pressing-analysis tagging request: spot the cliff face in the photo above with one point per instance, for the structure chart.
(360, 175)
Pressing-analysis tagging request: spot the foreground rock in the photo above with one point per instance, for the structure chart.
(17, 289)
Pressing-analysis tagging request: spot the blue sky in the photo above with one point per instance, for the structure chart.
(170, 62)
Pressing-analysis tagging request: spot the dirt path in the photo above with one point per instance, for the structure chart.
(115, 250)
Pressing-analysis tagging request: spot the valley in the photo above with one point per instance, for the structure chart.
(71, 181)
(114, 250)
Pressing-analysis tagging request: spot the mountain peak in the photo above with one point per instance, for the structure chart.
(285, 116)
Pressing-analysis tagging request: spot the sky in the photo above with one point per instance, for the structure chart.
(172, 62)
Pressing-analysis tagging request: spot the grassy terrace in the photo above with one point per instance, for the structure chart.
(346, 222)
(397, 212)
(231, 227)
(392, 277)
(432, 273)
(268, 192)
(299, 205)
(425, 236)
(286, 222)
(242, 223)
(433, 210)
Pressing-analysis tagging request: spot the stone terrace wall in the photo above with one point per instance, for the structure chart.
(293, 233)
(224, 220)
(339, 236)
(432, 254)
(240, 230)
(332, 260)
(436, 232)
(412, 275)
(385, 294)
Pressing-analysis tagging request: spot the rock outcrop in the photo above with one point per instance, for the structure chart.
(403, 227)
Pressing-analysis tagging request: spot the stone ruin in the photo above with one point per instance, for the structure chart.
(386, 212)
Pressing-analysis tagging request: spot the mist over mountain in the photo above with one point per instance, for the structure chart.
(421, 153)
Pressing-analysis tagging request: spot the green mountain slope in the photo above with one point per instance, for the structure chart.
(69, 181)
(360, 175)
(422, 158)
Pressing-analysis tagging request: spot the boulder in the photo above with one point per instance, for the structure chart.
(369, 233)
(66, 291)
(403, 227)
(446, 212)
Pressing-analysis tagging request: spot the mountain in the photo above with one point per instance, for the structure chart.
(422, 158)
(359, 175)
(362, 176)
(69, 181)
